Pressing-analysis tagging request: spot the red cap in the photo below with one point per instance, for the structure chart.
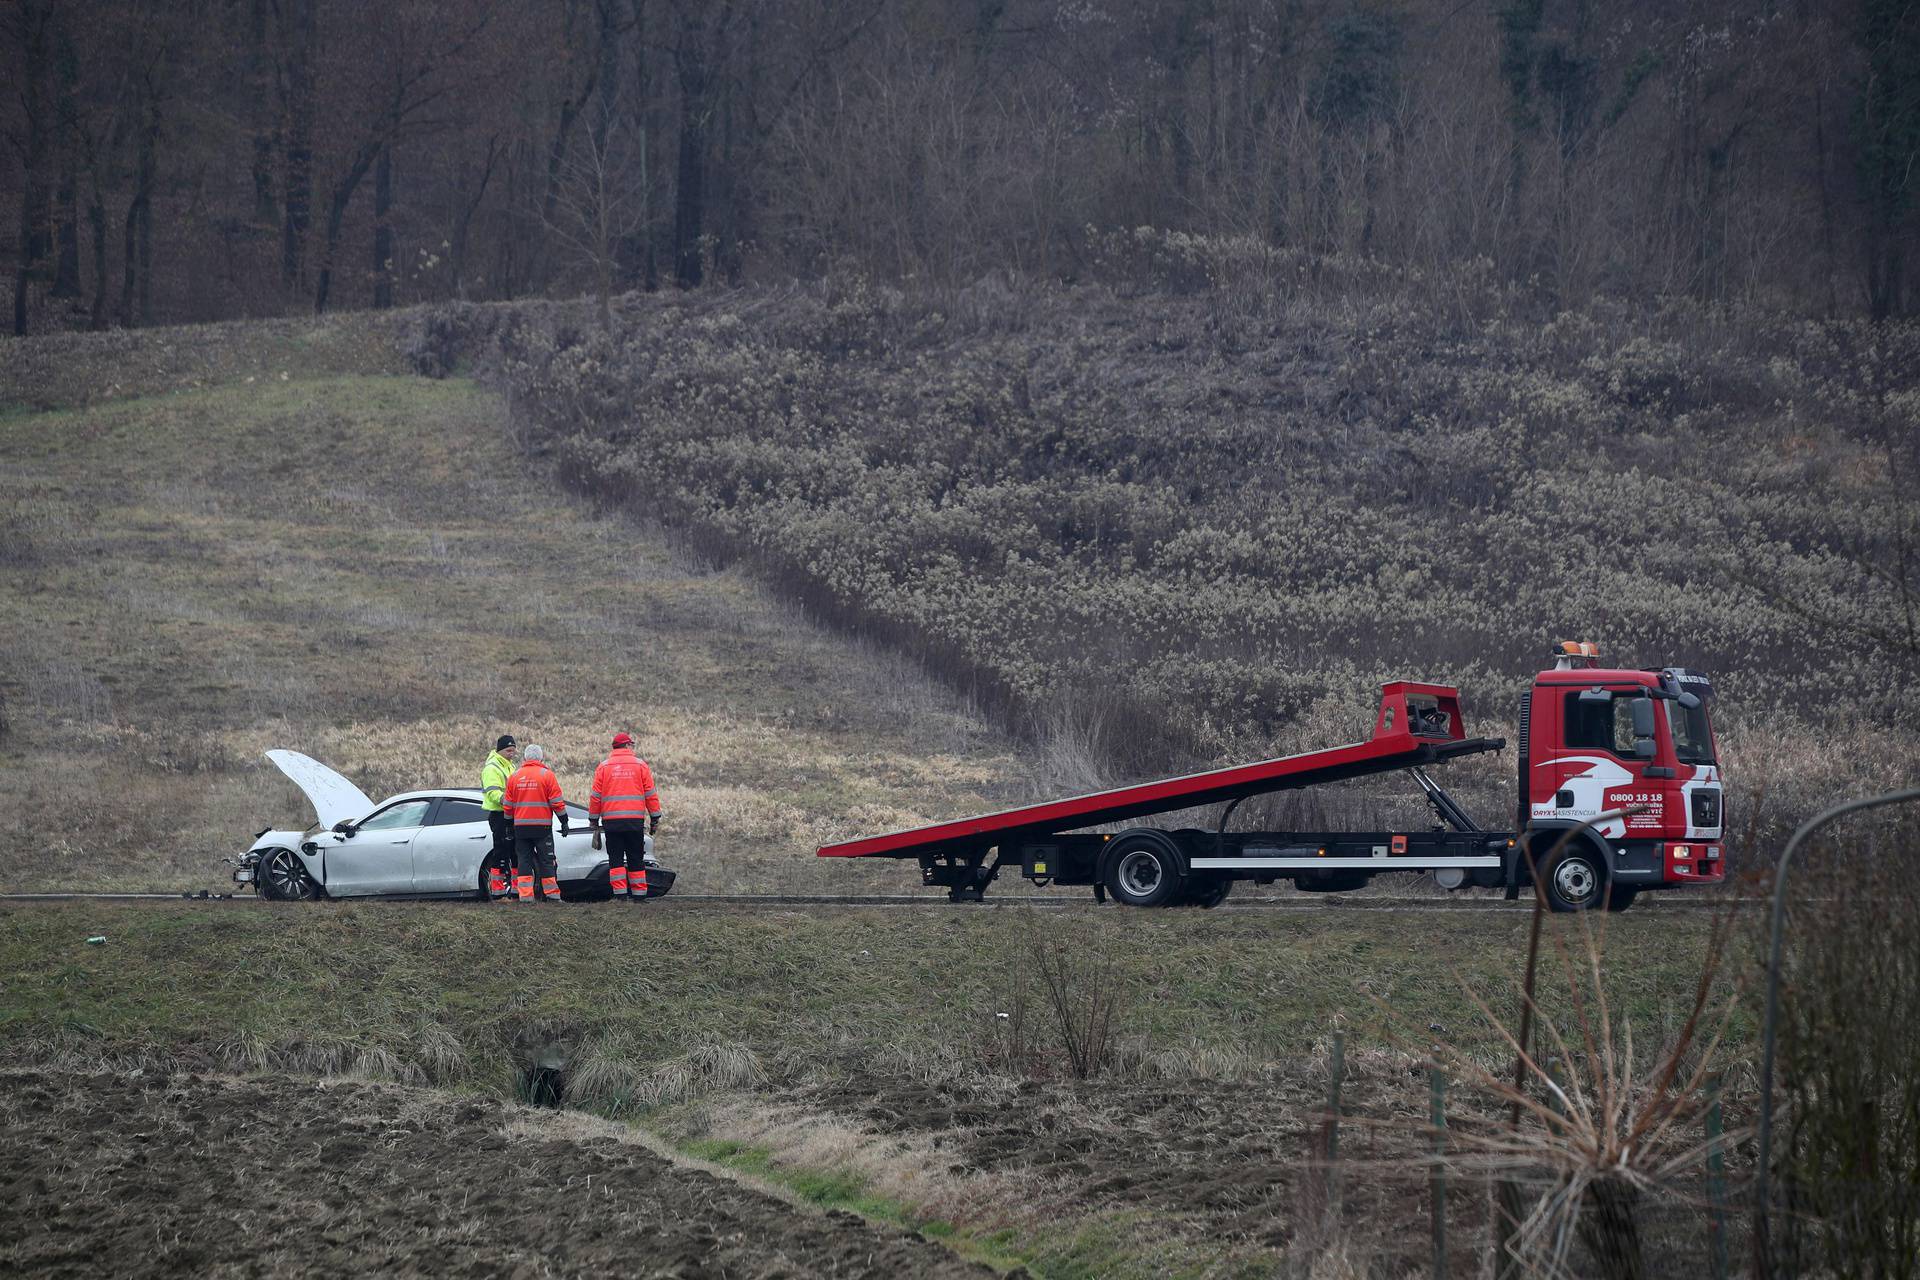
(623, 739)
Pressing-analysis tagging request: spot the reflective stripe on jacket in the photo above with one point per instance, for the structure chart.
(493, 781)
(623, 789)
(532, 795)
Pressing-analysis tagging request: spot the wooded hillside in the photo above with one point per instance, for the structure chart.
(1181, 527)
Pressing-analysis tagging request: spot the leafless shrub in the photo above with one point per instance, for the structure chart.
(1083, 992)
(1598, 1125)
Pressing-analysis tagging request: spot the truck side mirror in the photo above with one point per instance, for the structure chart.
(1643, 742)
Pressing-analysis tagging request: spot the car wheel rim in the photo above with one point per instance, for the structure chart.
(1140, 873)
(282, 876)
(1575, 880)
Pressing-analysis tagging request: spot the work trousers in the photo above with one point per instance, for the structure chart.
(501, 855)
(534, 862)
(626, 857)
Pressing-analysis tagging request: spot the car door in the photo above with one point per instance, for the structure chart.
(574, 854)
(449, 850)
(378, 856)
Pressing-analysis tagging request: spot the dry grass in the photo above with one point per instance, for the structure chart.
(912, 1168)
(362, 569)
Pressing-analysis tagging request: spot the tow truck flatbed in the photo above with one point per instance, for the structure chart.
(1417, 725)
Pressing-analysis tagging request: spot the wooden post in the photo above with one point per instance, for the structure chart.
(1716, 1185)
(1437, 1090)
(1509, 1207)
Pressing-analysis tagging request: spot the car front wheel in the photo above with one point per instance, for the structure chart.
(282, 877)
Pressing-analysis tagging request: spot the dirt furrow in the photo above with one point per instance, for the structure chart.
(152, 1174)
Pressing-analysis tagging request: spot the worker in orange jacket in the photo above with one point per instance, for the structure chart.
(532, 800)
(626, 802)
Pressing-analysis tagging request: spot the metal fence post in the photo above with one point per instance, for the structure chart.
(1716, 1185)
(1437, 1089)
(1557, 1077)
(1762, 1245)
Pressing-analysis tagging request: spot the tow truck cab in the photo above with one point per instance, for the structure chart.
(1594, 740)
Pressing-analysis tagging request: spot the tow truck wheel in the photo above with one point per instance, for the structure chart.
(1142, 872)
(283, 877)
(1575, 881)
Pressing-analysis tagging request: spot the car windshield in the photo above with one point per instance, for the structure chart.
(1692, 736)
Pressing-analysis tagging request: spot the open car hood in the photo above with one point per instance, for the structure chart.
(332, 796)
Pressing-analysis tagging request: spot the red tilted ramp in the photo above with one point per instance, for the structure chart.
(1418, 724)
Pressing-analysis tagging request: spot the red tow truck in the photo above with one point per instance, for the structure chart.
(1593, 741)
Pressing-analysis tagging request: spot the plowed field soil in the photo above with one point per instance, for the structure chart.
(154, 1174)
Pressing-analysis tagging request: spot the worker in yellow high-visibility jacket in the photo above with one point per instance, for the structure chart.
(493, 786)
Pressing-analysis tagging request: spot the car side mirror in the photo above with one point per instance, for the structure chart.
(343, 828)
(1643, 743)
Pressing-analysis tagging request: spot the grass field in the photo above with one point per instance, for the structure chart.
(263, 549)
(857, 1057)
(439, 989)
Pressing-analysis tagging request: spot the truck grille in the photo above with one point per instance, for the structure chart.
(1706, 809)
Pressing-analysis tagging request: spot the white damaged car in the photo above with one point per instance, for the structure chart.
(431, 843)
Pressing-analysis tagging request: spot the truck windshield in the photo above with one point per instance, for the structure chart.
(1692, 738)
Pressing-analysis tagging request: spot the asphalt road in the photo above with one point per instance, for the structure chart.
(699, 901)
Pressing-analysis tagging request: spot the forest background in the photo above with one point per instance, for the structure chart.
(191, 160)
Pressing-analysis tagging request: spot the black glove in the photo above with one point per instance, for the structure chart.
(653, 824)
(563, 825)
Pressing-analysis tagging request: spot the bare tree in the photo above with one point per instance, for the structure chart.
(418, 64)
(30, 29)
(600, 202)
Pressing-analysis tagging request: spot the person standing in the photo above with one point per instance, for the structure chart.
(626, 802)
(532, 799)
(493, 788)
